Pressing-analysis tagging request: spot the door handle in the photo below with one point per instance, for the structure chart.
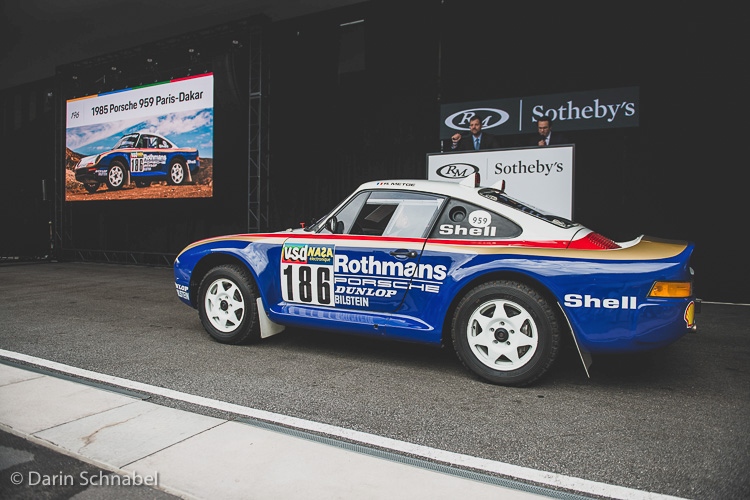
(403, 253)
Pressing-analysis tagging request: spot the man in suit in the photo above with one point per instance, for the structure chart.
(545, 137)
(476, 140)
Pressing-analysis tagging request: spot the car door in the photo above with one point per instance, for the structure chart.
(366, 258)
(146, 158)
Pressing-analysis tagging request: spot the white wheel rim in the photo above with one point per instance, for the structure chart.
(224, 305)
(177, 173)
(115, 176)
(502, 335)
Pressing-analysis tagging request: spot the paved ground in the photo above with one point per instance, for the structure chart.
(152, 448)
(673, 422)
(26, 459)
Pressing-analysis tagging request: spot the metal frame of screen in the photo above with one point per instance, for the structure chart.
(252, 32)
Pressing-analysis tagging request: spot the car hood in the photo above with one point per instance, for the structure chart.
(86, 161)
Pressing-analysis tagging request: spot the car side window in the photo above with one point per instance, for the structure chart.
(466, 221)
(387, 213)
(413, 217)
(390, 213)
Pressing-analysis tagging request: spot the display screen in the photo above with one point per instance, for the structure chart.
(149, 142)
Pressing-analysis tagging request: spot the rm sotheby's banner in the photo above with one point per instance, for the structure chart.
(540, 177)
(592, 109)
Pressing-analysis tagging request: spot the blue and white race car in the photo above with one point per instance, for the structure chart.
(445, 263)
(142, 158)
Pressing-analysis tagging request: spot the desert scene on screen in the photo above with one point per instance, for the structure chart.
(201, 185)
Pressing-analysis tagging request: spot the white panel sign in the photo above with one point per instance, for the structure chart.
(539, 177)
(136, 104)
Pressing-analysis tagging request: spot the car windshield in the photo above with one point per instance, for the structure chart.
(385, 213)
(127, 141)
(500, 197)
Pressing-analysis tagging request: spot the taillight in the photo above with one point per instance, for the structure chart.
(671, 289)
(593, 241)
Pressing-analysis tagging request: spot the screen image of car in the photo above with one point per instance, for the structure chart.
(156, 135)
(449, 264)
(139, 158)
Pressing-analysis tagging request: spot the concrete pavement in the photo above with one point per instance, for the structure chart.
(198, 456)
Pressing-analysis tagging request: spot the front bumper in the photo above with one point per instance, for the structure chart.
(90, 175)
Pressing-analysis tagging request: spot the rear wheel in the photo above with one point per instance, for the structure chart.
(177, 173)
(227, 306)
(506, 333)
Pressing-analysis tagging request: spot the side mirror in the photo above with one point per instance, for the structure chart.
(332, 224)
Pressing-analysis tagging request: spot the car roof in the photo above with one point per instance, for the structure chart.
(469, 193)
(452, 189)
(437, 187)
(149, 133)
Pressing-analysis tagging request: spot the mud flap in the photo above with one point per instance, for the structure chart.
(267, 327)
(584, 355)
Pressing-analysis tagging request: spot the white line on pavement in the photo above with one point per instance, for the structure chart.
(446, 457)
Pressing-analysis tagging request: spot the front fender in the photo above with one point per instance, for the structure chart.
(259, 258)
(107, 158)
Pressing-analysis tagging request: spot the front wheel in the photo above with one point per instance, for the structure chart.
(506, 332)
(227, 306)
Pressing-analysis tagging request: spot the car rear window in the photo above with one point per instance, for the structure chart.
(463, 220)
(500, 197)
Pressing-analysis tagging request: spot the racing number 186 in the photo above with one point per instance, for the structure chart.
(307, 284)
(136, 164)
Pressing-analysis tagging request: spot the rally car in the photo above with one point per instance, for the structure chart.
(444, 263)
(142, 158)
